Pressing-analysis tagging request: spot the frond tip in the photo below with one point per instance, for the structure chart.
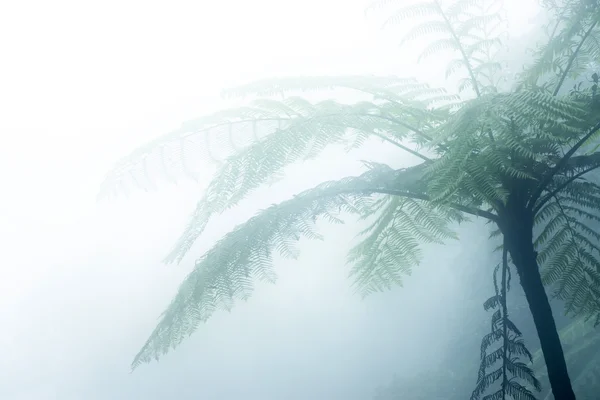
(226, 272)
(392, 242)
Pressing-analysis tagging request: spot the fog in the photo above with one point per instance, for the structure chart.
(82, 283)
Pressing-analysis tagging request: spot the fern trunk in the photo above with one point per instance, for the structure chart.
(518, 231)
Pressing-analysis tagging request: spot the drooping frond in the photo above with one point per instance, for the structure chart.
(226, 272)
(568, 217)
(568, 248)
(187, 150)
(215, 137)
(400, 99)
(306, 130)
(400, 227)
(390, 88)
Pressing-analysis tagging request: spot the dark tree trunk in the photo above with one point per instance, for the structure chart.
(517, 227)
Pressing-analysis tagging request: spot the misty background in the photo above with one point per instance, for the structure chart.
(84, 83)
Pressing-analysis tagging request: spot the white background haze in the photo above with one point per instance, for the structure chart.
(81, 283)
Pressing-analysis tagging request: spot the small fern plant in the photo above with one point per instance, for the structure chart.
(507, 370)
(519, 159)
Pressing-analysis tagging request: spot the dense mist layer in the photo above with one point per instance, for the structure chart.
(82, 283)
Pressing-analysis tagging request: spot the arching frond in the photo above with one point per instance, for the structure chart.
(301, 137)
(226, 272)
(234, 130)
(216, 137)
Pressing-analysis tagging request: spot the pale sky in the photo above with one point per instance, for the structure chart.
(84, 83)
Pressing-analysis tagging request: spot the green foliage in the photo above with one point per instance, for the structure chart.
(227, 271)
(569, 243)
(505, 359)
(571, 47)
(469, 28)
(478, 154)
(306, 130)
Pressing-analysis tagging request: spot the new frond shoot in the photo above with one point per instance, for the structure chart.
(502, 372)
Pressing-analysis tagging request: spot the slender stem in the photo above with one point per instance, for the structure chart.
(188, 127)
(559, 165)
(411, 151)
(401, 123)
(553, 193)
(572, 58)
(555, 29)
(504, 321)
(550, 39)
(459, 207)
(461, 48)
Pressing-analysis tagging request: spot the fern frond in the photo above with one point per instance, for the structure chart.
(226, 272)
(512, 347)
(523, 149)
(573, 36)
(478, 22)
(439, 46)
(567, 248)
(185, 149)
(423, 29)
(468, 27)
(303, 137)
(374, 85)
(380, 260)
(216, 137)
(416, 10)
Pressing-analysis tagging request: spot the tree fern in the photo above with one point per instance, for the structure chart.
(519, 159)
